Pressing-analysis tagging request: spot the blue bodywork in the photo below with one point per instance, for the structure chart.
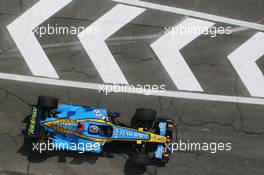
(81, 113)
(87, 129)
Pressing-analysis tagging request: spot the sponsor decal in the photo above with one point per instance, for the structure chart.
(115, 133)
(32, 124)
(159, 152)
(132, 134)
(99, 114)
(69, 126)
(162, 126)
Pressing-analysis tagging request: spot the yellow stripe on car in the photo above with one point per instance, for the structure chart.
(52, 124)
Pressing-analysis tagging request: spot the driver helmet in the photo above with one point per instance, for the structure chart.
(93, 129)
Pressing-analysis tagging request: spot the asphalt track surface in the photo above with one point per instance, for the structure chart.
(197, 120)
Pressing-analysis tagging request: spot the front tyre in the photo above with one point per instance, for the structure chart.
(140, 159)
(148, 115)
(143, 118)
(48, 102)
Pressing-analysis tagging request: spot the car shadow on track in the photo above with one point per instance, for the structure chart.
(131, 169)
(114, 148)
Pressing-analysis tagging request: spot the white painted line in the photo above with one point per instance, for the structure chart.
(96, 47)
(192, 13)
(95, 86)
(239, 29)
(168, 47)
(244, 60)
(28, 45)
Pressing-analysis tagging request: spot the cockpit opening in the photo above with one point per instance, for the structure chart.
(101, 130)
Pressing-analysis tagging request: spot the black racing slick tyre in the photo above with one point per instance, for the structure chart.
(147, 115)
(140, 159)
(48, 102)
(143, 118)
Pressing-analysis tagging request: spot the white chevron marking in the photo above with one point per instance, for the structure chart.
(168, 47)
(96, 47)
(244, 60)
(28, 45)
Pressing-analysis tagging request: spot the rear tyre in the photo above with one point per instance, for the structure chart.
(143, 118)
(140, 159)
(145, 114)
(48, 102)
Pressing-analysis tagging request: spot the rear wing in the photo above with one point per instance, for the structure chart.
(165, 127)
(33, 128)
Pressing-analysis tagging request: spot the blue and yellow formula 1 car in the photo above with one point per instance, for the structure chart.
(87, 129)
